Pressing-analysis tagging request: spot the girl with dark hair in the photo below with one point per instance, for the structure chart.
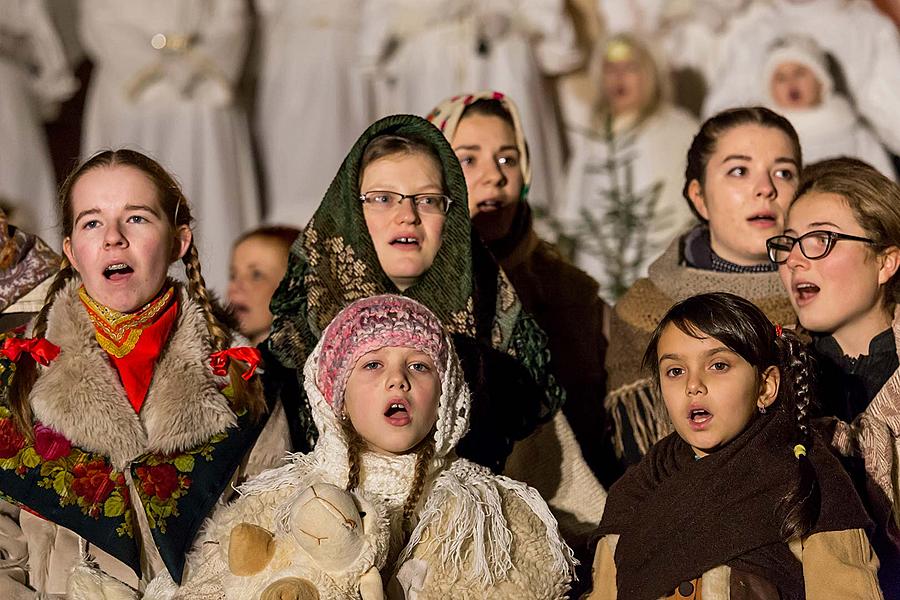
(390, 401)
(838, 260)
(743, 495)
(487, 136)
(394, 220)
(129, 411)
(742, 171)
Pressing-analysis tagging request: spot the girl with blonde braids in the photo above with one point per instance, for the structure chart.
(390, 403)
(129, 412)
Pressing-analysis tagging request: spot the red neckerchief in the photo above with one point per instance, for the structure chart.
(135, 340)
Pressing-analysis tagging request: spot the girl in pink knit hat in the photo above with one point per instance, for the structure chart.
(390, 404)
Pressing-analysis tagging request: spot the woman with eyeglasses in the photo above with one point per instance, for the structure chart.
(742, 171)
(395, 220)
(838, 260)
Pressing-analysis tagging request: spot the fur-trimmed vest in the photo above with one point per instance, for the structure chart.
(129, 490)
(635, 408)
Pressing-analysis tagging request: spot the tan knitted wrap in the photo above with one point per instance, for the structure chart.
(874, 436)
(635, 316)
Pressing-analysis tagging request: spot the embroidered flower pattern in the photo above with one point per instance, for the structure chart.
(162, 480)
(77, 477)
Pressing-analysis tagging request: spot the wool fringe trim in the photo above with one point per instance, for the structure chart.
(474, 541)
(640, 406)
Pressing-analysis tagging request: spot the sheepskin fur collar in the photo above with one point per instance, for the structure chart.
(81, 396)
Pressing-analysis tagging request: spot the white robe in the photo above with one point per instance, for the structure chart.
(27, 181)
(864, 42)
(312, 102)
(656, 151)
(832, 129)
(424, 51)
(177, 107)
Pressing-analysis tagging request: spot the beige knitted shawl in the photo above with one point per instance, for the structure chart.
(874, 435)
(632, 399)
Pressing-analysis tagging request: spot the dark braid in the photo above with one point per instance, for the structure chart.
(247, 395)
(799, 509)
(423, 459)
(26, 368)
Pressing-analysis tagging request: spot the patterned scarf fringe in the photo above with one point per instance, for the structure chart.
(639, 406)
(474, 501)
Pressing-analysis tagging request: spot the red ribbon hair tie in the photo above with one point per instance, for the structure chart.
(40, 349)
(778, 330)
(219, 360)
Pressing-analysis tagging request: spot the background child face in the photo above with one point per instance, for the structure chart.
(841, 293)
(258, 264)
(486, 148)
(795, 86)
(405, 241)
(711, 392)
(750, 181)
(392, 398)
(121, 243)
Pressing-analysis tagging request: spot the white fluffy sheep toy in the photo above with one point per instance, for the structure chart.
(328, 544)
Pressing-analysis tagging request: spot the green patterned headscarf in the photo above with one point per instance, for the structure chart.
(334, 263)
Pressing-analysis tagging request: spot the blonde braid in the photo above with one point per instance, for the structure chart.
(247, 395)
(423, 458)
(355, 446)
(26, 368)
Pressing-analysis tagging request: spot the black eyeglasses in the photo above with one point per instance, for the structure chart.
(813, 245)
(429, 204)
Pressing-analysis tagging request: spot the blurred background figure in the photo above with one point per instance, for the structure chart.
(258, 262)
(622, 199)
(34, 79)
(798, 85)
(163, 82)
(422, 51)
(863, 41)
(27, 267)
(311, 102)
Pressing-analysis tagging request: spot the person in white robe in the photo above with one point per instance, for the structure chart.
(312, 101)
(164, 82)
(34, 79)
(422, 51)
(796, 83)
(622, 198)
(862, 40)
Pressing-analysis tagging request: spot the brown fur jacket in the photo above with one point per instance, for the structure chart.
(81, 396)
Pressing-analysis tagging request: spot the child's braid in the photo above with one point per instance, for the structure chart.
(799, 508)
(247, 395)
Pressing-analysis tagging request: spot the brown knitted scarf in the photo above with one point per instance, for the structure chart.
(632, 400)
(679, 517)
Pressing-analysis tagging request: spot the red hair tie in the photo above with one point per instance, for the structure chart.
(40, 349)
(778, 330)
(219, 360)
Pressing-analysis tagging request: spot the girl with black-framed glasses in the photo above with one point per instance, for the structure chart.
(846, 294)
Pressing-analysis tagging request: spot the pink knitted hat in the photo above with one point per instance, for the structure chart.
(370, 324)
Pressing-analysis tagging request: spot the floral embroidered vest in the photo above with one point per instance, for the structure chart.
(81, 491)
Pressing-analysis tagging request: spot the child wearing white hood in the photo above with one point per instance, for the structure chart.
(390, 403)
(799, 85)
